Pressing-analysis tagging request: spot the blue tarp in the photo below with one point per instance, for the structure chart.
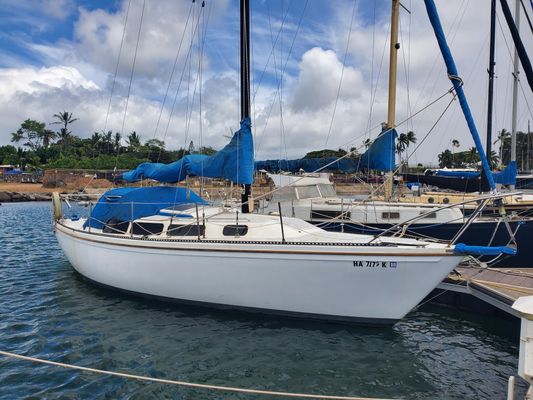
(461, 248)
(117, 203)
(379, 156)
(15, 171)
(346, 165)
(234, 162)
(505, 177)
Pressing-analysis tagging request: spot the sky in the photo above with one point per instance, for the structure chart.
(169, 70)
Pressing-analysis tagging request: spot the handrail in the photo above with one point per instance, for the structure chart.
(409, 221)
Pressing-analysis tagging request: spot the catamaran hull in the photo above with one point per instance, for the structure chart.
(360, 287)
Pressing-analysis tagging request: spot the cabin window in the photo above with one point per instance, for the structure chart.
(186, 230)
(390, 215)
(307, 192)
(327, 190)
(433, 215)
(235, 230)
(329, 214)
(284, 194)
(147, 228)
(116, 226)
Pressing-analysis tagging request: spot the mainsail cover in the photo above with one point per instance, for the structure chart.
(379, 156)
(234, 162)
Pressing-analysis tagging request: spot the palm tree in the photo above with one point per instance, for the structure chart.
(410, 137)
(402, 144)
(455, 145)
(107, 141)
(134, 141)
(47, 136)
(64, 118)
(503, 138)
(116, 142)
(17, 136)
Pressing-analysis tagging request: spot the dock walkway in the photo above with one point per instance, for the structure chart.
(499, 287)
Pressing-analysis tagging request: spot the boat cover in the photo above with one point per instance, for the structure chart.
(505, 177)
(124, 204)
(461, 248)
(379, 156)
(234, 162)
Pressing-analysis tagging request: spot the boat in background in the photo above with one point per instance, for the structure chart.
(314, 200)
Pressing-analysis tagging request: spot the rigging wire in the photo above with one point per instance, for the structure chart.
(342, 73)
(527, 15)
(519, 81)
(131, 79)
(188, 56)
(261, 135)
(369, 121)
(173, 70)
(117, 65)
(271, 52)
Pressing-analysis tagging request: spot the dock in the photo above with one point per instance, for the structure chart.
(499, 287)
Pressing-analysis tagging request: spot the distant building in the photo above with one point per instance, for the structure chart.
(5, 168)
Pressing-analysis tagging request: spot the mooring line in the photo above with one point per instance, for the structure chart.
(182, 383)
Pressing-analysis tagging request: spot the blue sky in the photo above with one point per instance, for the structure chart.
(319, 76)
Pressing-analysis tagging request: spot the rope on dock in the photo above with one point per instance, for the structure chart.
(182, 383)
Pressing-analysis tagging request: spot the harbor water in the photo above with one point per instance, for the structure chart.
(50, 312)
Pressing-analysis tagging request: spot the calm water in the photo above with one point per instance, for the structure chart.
(48, 311)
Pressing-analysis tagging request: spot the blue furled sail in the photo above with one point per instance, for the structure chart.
(461, 248)
(234, 162)
(457, 84)
(124, 204)
(379, 156)
(505, 177)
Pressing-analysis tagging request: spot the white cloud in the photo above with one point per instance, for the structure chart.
(80, 71)
(319, 79)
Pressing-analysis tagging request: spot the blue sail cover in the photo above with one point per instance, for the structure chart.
(234, 162)
(453, 75)
(379, 156)
(505, 177)
(124, 204)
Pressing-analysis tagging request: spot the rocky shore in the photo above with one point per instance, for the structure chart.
(15, 197)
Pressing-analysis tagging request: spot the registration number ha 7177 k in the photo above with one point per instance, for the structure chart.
(374, 264)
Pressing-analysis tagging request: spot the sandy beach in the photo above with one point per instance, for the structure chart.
(24, 188)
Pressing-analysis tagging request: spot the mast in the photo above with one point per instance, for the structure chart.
(245, 59)
(491, 76)
(515, 88)
(393, 65)
(245, 86)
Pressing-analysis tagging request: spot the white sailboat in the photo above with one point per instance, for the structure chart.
(222, 257)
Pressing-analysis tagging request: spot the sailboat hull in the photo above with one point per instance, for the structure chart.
(360, 287)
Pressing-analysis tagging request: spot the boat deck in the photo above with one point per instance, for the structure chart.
(499, 287)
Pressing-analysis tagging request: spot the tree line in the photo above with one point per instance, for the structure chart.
(470, 158)
(41, 147)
